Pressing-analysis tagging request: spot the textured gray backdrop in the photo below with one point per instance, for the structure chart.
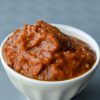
(83, 14)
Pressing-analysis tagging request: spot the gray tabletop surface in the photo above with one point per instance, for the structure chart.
(83, 14)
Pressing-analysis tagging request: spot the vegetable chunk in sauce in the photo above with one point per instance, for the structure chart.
(43, 52)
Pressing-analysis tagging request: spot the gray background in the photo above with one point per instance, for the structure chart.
(83, 14)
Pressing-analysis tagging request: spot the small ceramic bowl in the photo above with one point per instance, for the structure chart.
(60, 90)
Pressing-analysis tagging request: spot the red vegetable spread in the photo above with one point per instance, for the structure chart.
(43, 52)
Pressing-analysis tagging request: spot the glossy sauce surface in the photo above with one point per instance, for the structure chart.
(43, 52)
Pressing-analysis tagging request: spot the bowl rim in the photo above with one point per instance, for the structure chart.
(52, 82)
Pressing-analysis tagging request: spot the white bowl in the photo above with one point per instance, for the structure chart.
(61, 90)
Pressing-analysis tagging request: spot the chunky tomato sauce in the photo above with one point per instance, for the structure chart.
(43, 52)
